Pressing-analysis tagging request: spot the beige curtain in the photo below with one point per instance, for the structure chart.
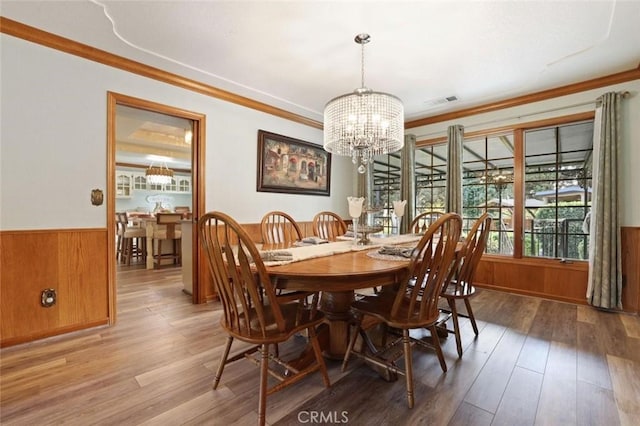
(455, 135)
(604, 289)
(408, 181)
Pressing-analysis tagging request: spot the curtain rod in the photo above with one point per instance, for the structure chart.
(625, 94)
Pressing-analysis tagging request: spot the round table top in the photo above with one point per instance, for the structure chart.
(339, 272)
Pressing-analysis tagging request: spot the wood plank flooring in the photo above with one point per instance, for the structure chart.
(535, 362)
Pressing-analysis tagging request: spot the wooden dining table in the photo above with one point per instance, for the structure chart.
(337, 277)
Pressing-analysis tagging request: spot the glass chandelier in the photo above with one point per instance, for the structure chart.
(158, 175)
(363, 123)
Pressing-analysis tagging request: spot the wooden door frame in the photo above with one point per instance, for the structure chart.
(197, 188)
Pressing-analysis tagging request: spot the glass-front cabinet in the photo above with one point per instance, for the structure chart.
(123, 184)
(139, 181)
(128, 181)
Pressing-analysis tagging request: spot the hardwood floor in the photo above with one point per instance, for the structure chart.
(534, 362)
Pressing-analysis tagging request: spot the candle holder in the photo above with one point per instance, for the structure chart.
(355, 211)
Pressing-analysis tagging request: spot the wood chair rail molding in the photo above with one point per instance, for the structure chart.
(44, 38)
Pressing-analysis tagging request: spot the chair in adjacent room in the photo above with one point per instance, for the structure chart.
(460, 283)
(120, 228)
(328, 225)
(421, 223)
(185, 211)
(167, 229)
(252, 311)
(130, 241)
(410, 306)
(278, 227)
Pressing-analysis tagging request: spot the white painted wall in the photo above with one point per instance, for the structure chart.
(566, 105)
(53, 146)
(53, 142)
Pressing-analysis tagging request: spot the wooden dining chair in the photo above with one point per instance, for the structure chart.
(421, 223)
(278, 227)
(252, 312)
(411, 306)
(460, 283)
(130, 241)
(185, 211)
(328, 225)
(167, 228)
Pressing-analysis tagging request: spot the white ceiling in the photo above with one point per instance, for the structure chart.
(297, 55)
(146, 137)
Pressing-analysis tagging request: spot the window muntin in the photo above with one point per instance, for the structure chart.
(557, 179)
(487, 185)
(430, 175)
(431, 178)
(386, 190)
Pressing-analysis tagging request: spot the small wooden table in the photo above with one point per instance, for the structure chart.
(337, 276)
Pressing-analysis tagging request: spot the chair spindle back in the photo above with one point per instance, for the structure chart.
(278, 227)
(328, 225)
(421, 223)
(240, 278)
(431, 262)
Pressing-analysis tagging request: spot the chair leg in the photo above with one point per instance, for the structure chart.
(456, 325)
(223, 361)
(436, 344)
(118, 249)
(262, 401)
(408, 366)
(127, 246)
(313, 337)
(352, 342)
(142, 242)
(156, 246)
(471, 317)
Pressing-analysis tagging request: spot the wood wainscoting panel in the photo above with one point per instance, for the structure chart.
(553, 279)
(547, 278)
(29, 265)
(519, 277)
(566, 284)
(73, 262)
(81, 276)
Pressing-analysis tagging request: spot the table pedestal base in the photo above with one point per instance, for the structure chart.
(337, 309)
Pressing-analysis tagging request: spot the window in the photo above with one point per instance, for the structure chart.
(558, 190)
(430, 173)
(487, 185)
(555, 171)
(431, 178)
(386, 189)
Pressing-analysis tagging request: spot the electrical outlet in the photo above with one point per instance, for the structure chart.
(49, 297)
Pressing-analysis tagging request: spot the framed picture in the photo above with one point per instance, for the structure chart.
(292, 166)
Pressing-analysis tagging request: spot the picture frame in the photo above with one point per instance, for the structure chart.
(293, 166)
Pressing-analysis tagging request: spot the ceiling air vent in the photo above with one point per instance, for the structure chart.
(440, 101)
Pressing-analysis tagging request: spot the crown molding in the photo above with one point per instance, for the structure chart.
(44, 38)
(621, 77)
(35, 35)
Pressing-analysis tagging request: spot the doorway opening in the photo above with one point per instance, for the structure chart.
(155, 174)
